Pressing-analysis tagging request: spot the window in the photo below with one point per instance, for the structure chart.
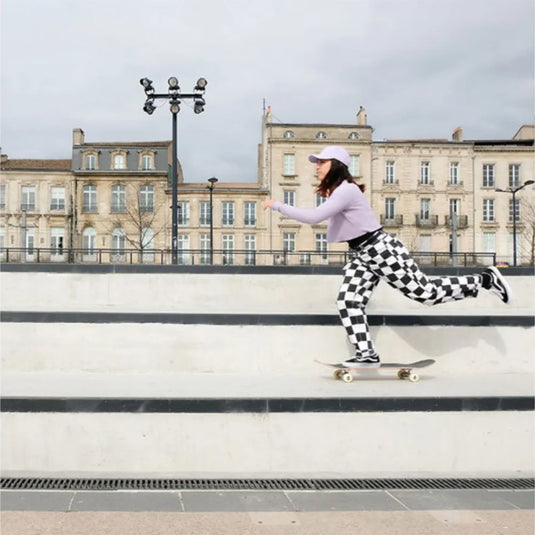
(228, 249)
(118, 199)
(118, 242)
(514, 176)
(89, 204)
(488, 210)
(321, 135)
(425, 243)
(353, 136)
(289, 197)
(30, 242)
(488, 175)
(183, 213)
(146, 199)
(249, 214)
(228, 214)
(489, 242)
(146, 162)
(289, 165)
(2, 196)
(57, 237)
(455, 207)
(321, 245)
(390, 172)
(2, 242)
(425, 178)
(89, 243)
(250, 249)
(289, 134)
(147, 245)
(425, 209)
(183, 256)
(28, 198)
(57, 198)
(454, 173)
(288, 242)
(204, 216)
(354, 165)
(390, 209)
(514, 210)
(90, 162)
(119, 161)
(320, 200)
(205, 248)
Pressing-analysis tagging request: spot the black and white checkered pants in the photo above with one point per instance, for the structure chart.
(386, 258)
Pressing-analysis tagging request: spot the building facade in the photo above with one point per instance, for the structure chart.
(112, 201)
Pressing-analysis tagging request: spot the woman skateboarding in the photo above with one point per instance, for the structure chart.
(375, 255)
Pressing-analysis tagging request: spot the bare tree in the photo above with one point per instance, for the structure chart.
(142, 216)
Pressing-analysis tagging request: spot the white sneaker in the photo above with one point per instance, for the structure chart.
(498, 285)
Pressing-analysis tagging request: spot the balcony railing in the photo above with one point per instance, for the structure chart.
(427, 221)
(221, 257)
(391, 221)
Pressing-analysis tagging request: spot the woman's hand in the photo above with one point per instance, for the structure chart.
(268, 204)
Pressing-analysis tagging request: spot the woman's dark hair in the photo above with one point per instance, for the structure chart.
(336, 175)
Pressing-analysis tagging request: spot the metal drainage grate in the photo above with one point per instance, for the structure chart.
(261, 484)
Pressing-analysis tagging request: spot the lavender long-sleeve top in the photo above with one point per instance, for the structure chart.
(347, 210)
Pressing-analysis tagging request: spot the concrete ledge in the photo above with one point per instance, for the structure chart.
(20, 316)
(266, 405)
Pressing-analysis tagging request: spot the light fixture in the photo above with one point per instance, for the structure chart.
(149, 107)
(173, 82)
(201, 84)
(146, 83)
(198, 107)
(213, 180)
(175, 106)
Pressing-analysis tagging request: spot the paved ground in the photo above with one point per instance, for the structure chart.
(429, 512)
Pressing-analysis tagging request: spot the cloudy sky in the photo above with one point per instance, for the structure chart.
(421, 68)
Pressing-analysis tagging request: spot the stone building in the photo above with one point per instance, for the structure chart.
(111, 202)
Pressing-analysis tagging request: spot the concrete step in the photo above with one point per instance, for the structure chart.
(254, 349)
(201, 425)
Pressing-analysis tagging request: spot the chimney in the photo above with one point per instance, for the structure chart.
(457, 134)
(362, 118)
(78, 136)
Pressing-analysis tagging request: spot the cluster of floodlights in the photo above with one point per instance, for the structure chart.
(174, 95)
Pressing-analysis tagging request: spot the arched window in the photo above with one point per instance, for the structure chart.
(321, 135)
(353, 135)
(118, 242)
(289, 134)
(89, 244)
(147, 245)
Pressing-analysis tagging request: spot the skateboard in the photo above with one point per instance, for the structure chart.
(343, 370)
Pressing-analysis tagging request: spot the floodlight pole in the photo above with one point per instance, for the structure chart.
(174, 96)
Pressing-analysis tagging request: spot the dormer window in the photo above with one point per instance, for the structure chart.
(119, 161)
(289, 134)
(89, 161)
(146, 161)
(321, 135)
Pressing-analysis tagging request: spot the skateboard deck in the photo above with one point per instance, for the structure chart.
(343, 370)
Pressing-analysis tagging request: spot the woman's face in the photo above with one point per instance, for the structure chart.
(322, 168)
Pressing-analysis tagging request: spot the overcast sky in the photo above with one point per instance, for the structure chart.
(421, 68)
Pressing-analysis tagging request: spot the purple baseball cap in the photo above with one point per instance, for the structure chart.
(332, 153)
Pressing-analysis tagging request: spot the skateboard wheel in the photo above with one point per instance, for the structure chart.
(413, 377)
(346, 377)
(336, 374)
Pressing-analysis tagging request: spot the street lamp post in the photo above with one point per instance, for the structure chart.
(175, 97)
(211, 187)
(513, 192)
